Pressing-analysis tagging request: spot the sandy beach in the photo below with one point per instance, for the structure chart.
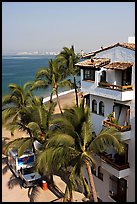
(66, 101)
(11, 189)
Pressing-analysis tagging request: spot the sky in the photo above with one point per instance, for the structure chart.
(50, 26)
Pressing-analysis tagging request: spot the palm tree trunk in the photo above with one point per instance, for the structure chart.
(65, 199)
(70, 194)
(29, 131)
(58, 101)
(91, 180)
(76, 94)
(86, 187)
(51, 97)
(49, 179)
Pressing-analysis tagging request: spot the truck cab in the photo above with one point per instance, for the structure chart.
(29, 177)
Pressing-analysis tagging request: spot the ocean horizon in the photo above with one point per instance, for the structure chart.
(19, 69)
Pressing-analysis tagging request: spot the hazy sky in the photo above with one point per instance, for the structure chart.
(49, 26)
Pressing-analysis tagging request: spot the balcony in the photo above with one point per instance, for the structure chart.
(115, 87)
(119, 118)
(116, 92)
(115, 165)
(121, 128)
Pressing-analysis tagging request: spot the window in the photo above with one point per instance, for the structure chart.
(103, 76)
(89, 74)
(101, 108)
(94, 106)
(100, 174)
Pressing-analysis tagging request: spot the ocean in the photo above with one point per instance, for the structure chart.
(20, 69)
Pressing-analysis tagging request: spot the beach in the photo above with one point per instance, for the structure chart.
(12, 191)
(66, 101)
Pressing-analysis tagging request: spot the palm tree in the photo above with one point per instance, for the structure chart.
(53, 76)
(35, 119)
(73, 144)
(13, 103)
(69, 57)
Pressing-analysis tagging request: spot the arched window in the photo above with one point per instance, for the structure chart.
(94, 106)
(101, 108)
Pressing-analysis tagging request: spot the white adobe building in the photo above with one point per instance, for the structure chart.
(108, 84)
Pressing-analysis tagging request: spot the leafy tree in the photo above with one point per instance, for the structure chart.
(53, 76)
(69, 57)
(35, 120)
(14, 102)
(73, 145)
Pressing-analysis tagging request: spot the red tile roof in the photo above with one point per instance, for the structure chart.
(130, 46)
(103, 62)
(119, 65)
(94, 63)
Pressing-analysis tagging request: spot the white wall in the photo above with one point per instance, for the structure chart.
(119, 54)
(131, 157)
(110, 76)
(96, 118)
(123, 55)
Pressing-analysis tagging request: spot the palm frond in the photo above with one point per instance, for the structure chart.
(9, 114)
(86, 134)
(6, 99)
(66, 83)
(41, 72)
(63, 125)
(107, 138)
(87, 156)
(27, 144)
(16, 143)
(60, 140)
(39, 84)
(27, 85)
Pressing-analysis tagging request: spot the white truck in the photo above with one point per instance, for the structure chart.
(23, 167)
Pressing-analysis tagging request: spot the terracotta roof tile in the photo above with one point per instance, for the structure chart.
(95, 63)
(119, 65)
(130, 46)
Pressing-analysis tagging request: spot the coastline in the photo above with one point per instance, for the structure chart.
(60, 94)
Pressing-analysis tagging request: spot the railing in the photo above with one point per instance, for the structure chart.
(113, 163)
(121, 128)
(114, 87)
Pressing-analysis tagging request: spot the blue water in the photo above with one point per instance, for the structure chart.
(20, 69)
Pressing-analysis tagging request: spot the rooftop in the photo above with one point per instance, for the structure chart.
(95, 63)
(119, 65)
(130, 46)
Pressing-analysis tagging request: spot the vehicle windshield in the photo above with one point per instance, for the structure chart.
(27, 171)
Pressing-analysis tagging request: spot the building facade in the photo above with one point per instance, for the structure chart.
(108, 84)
